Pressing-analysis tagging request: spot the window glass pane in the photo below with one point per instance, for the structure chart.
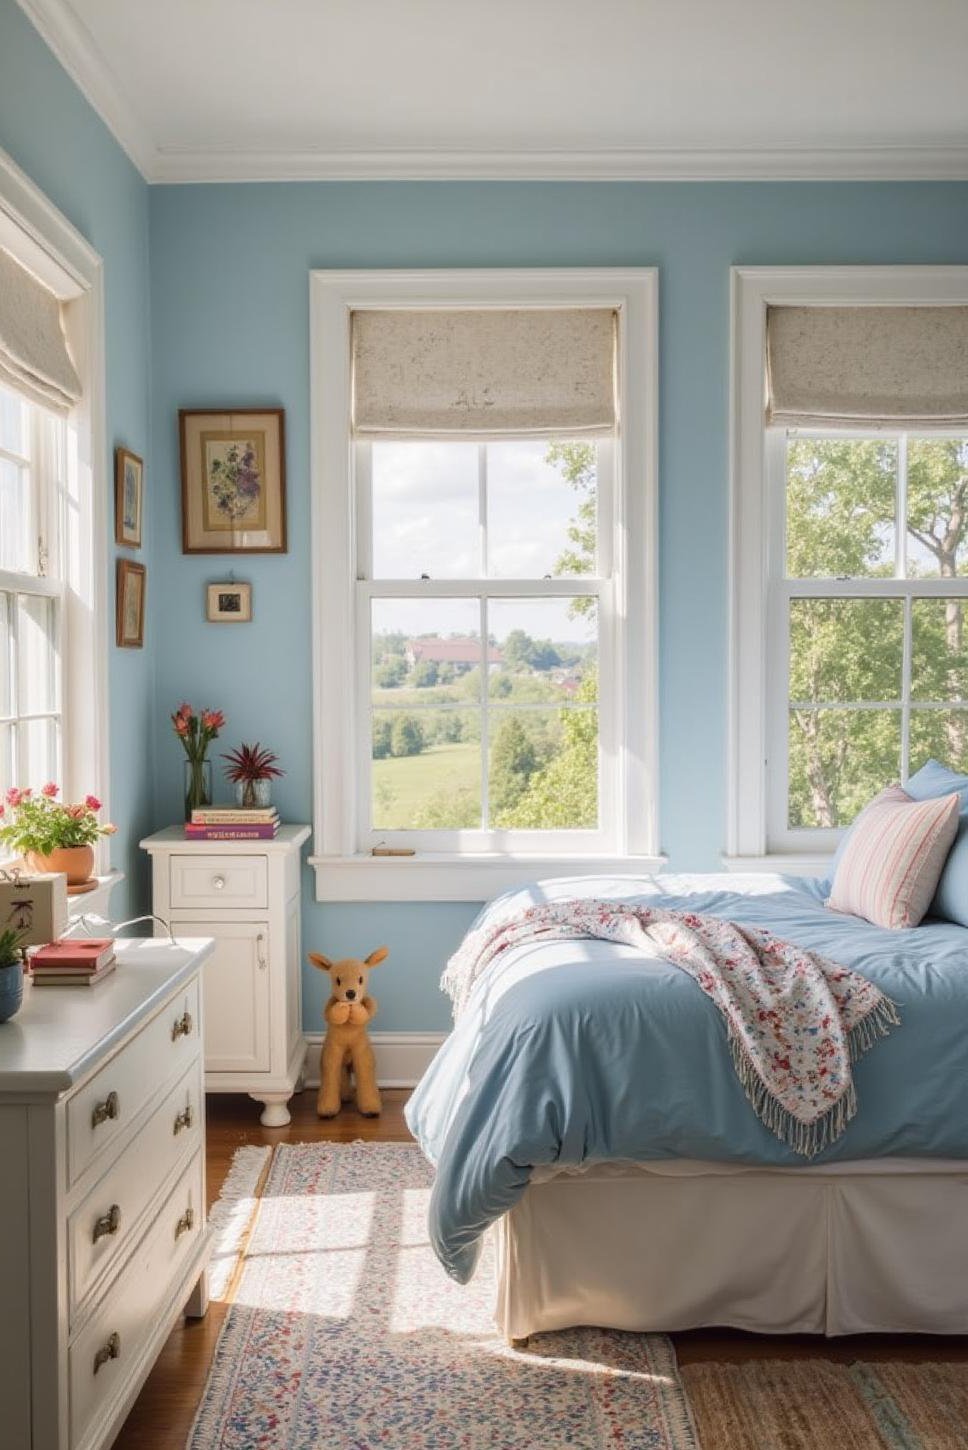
(541, 509)
(941, 735)
(7, 736)
(426, 515)
(6, 655)
(846, 649)
(13, 423)
(840, 507)
(543, 649)
(36, 655)
(939, 649)
(37, 753)
(838, 760)
(937, 512)
(15, 524)
(426, 772)
(426, 652)
(543, 769)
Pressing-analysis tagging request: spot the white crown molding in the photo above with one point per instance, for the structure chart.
(863, 163)
(73, 45)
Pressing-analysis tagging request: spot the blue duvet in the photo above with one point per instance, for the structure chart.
(571, 1052)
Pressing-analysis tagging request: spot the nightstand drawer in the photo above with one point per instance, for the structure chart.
(218, 881)
(100, 1111)
(101, 1227)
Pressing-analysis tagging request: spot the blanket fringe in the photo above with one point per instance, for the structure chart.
(809, 1139)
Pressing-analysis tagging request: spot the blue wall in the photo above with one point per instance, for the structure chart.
(230, 325)
(54, 135)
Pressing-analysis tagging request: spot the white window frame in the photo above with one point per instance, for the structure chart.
(344, 868)
(41, 239)
(758, 664)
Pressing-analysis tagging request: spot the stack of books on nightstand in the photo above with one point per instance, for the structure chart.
(78, 963)
(233, 823)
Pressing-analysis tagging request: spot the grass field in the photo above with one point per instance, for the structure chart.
(413, 779)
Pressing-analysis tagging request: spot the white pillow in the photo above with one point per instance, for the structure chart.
(894, 857)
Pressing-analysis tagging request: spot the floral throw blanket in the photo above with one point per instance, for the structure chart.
(794, 1020)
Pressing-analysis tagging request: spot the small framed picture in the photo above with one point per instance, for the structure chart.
(131, 581)
(233, 476)
(229, 603)
(129, 483)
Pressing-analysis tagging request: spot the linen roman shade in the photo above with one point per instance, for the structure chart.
(483, 372)
(859, 367)
(33, 349)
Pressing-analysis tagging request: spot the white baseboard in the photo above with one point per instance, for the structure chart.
(401, 1057)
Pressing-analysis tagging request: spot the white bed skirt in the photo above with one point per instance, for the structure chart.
(851, 1248)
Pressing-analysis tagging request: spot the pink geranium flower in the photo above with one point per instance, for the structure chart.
(92, 802)
(50, 790)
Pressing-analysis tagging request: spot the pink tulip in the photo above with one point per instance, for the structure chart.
(213, 719)
(180, 724)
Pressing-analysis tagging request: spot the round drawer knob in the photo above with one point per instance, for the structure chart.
(218, 882)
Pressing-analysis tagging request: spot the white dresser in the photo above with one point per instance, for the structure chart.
(103, 1238)
(246, 895)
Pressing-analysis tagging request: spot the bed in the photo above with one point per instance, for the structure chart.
(585, 1111)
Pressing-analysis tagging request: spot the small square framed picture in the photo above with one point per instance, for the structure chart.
(229, 603)
(130, 606)
(129, 486)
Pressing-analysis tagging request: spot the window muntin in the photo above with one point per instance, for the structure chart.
(869, 620)
(32, 493)
(480, 686)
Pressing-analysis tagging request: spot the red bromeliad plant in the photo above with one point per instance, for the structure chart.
(248, 764)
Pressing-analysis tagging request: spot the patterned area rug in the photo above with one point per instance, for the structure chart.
(806, 1404)
(344, 1333)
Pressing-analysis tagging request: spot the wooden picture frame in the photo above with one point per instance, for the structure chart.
(129, 488)
(131, 584)
(233, 480)
(228, 603)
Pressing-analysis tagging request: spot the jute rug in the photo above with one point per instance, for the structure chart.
(343, 1333)
(815, 1405)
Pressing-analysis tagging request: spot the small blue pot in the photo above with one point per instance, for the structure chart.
(11, 990)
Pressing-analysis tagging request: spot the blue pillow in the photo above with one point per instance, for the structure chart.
(951, 898)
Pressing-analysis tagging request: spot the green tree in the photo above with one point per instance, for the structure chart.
(390, 672)
(514, 760)
(577, 463)
(563, 794)
(382, 731)
(425, 674)
(407, 736)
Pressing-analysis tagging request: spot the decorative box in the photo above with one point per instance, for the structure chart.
(35, 905)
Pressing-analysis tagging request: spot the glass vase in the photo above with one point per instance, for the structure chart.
(198, 786)
(250, 793)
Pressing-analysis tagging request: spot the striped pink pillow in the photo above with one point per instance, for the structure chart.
(894, 856)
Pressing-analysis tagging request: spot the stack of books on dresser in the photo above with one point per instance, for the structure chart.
(233, 823)
(78, 963)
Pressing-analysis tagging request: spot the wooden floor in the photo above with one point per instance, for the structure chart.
(162, 1416)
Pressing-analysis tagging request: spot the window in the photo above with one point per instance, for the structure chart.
(32, 493)
(869, 618)
(480, 709)
(849, 522)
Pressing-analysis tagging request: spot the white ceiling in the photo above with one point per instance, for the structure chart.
(254, 89)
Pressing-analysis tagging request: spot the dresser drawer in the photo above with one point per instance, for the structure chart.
(219, 881)
(107, 1350)
(100, 1228)
(118, 1091)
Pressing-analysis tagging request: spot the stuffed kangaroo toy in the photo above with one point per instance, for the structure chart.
(346, 1047)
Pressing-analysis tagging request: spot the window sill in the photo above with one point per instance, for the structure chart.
(813, 864)
(426, 877)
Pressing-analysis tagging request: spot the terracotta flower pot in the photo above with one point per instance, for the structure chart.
(77, 862)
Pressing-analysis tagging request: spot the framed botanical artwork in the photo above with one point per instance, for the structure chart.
(233, 476)
(229, 603)
(130, 607)
(129, 485)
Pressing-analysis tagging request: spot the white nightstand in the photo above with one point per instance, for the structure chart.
(245, 894)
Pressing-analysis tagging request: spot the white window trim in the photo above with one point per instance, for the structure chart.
(342, 872)
(44, 241)
(753, 290)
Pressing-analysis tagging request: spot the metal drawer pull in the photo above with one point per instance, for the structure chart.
(218, 882)
(260, 951)
(182, 1026)
(185, 1223)
(108, 1223)
(111, 1350)
(184, 1119)
(110, 1108)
